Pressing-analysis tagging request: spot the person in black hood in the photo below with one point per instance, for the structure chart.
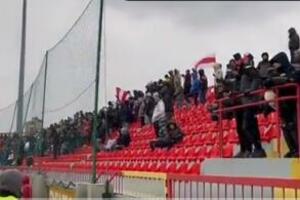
(287, 108)
(250, 81)
(293, 43)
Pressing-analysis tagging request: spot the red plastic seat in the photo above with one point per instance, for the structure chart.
(195, 154)
(171, 167)
(210, 138)
(193, 168)
(225, 136)
(233, 137)
(181, 168)
(215, 152)
(151, 166)
(228, 151)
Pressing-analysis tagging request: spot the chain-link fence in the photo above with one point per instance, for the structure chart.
(65, 83)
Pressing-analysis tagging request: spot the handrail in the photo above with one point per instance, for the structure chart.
(239, 95)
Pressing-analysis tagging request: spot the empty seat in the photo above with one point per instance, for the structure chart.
(228, 151)
(214, 152)
(233, 137)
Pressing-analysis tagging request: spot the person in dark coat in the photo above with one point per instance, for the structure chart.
(293, 43)
(231, 88)
(166, 92)
(288, 108)
(149, 107)
(174, 135)
(204, 86)
(239, 63)
(187, 84)
(264, 66)
(250, 81)
(124, 138)
(55, 142)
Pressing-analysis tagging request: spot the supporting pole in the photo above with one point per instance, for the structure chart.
(21, 72)
(95, 121)
(44, 94)
(27, 106)
(298, 118)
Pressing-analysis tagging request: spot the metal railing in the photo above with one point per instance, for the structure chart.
(221, 109)
(191, 186)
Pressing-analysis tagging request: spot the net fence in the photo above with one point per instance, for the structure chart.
(65, 83)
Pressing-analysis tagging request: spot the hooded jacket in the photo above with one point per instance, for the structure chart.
(293, 39)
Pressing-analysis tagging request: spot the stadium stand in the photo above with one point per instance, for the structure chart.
(200, 142)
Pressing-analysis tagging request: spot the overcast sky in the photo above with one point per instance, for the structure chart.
(143, 40)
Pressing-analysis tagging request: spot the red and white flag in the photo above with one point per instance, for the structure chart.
(206, 61)
(122, 95)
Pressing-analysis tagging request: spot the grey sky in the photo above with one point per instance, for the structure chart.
(143, 40)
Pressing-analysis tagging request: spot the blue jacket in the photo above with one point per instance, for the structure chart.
(196, 84)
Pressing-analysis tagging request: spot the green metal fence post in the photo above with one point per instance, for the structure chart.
(95, 121)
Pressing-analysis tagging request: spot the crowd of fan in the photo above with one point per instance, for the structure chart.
(236, 88)
(156, 106)
(60, 138)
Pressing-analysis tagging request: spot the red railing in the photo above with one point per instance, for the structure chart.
(277, 100)
(203, 186)
(191, 186)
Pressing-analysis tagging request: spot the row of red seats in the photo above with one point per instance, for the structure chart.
(175, 154)
(210, 138)
(167, 167)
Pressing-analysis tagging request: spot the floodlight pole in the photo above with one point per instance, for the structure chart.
(22, 71)
(95, 121)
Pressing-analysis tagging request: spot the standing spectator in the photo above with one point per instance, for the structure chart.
(196, 86)
(55, 141)
(288, 108)
(179, 97)
(167, 94)
(187, 86)
(264, 66)
(293, 43)
(218, 79)
(250, 81)
(149, 107)
(232, 87)
(141, 111)
(204, 86)
(171, 82)
(238, 62)
(159, 115)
